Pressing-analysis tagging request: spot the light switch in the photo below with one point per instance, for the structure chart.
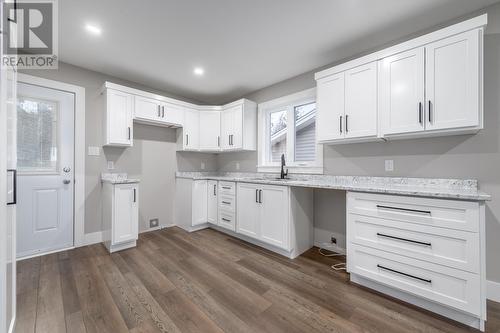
(111, 165)
(389, 165)
(202, 165)
(94, 151)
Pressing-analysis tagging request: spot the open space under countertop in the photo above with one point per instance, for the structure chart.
(463, 189)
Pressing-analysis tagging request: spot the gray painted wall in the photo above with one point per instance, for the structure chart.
(466, 156)
(153, 158)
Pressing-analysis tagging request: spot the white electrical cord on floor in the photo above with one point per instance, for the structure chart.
(336, 267)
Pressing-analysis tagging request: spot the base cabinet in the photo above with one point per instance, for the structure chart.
(212, 204)
(429, 252)
(120, 216)
(191, 204)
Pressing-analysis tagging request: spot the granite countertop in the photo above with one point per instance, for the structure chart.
(463, 189)
(118, 178)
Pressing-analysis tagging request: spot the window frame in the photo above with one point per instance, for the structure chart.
(289, 102)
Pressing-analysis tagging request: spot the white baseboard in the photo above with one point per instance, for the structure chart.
(92, 238)
(493, 291)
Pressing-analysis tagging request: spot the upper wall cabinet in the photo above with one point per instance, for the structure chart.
(232, 127)
(117, 122)
(429, 86)
(348, 105)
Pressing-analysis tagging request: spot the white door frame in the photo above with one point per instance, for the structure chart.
(79, 188)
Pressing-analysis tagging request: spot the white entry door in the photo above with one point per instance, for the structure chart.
(45, 162)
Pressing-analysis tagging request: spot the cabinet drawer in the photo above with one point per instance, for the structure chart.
(453, 248)
(452, 214)
(447, 286)
(228, 188)
(227, 202)
(227, 220)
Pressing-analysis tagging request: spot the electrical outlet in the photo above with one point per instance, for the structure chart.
(333, 240)
(389, 165)
(93, 151)
(153, 223)
(111, 165)
(202, 166)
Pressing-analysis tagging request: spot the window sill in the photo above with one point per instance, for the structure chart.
(291, 169)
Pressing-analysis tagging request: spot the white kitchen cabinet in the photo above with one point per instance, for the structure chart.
(120, 215)
(147, 109)
(431, 85)
(209, 130)
(361, 101)
(239, 126)
(212, 202)
(274, 221)
(191, 129)
(330, 105)
(452, 82)
(249, 210)
(227, 205)
(172, 114)
(401, 92)
(118, 118)
(191, 204)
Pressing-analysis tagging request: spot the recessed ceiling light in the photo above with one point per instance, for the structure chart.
(93, 29)
(198, 71)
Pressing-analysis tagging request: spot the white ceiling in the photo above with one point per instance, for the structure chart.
(244, 45)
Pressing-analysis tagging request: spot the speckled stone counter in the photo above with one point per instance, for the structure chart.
(462, 189)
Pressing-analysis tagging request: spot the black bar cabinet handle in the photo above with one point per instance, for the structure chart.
(129, 133)
(226, 202)
(430, 112)
(404, 239)
(260, 196)
(346, 126)
(187, 140)
(226, 187)
(14, 186)
(257, 196)
(226, 220)
(340, 124)
(163, 111)
(405, 209)
(135, 197)
(404, 274)
(159, 107)
(420, 112)
(215, 189)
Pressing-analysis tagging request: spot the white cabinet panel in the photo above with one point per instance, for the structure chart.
(200, 201)
(125, 224)
(212, 203)
(232, 128)
(226, 129)
(330, 103)
(191, 130)
(452, 82)
(401, 92)
(274, 222)
(248, 210)
(210, 130)
(173, 114)
(361, 101)
(147, 109)
(119, 116)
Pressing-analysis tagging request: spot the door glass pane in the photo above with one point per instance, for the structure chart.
(278, 128)
(305, 132)
(37, 139)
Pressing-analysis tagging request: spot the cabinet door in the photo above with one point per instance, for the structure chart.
(330, 104)
(237, 127)
(401, 92)
(119, 118)
(226, 129)
(209, 130)
(274, 217)
(191, 129)
(452, 82)
(361, 101)
(147, 109)
(172, 114)
(248, 209)
(212, 201)
(126, 214)
(200, 201)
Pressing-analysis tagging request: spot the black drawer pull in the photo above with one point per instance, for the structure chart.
(405, 209)
(404, 274)
(226, 220)
(226, 188)
(226, 202)
(403, 239)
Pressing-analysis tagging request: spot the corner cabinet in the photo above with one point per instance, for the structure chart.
(120, 216)
(118, 118)
(428, 86)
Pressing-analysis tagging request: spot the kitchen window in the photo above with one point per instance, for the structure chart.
(287, 126)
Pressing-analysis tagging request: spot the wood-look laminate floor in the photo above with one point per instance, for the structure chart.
(206, 282)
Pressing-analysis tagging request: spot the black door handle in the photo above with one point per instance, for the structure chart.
(420, 112)
(340, 124)
(404, 274)
(430, 112)
(13, 201)
(135, 195)
(404, 239)
(405, 209)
